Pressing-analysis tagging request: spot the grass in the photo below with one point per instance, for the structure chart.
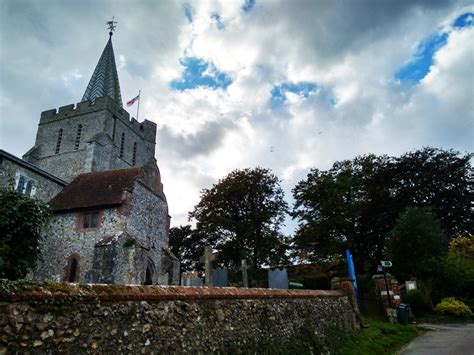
(434, 318)
(379, 337)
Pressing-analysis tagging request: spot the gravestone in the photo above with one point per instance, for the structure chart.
(207, 260)
(219, 277)
(278, 278)
(190, 279)
(245, 278)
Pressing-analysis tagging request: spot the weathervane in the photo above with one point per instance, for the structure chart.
(112, 25)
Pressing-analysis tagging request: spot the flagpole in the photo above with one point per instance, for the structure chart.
(138, 107)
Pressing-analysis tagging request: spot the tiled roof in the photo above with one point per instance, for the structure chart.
(96, 189)
(104, 81)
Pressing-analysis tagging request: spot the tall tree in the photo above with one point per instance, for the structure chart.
(439, 179)
(21, 220)
(241, 216)
(188, 246)
(357, 202)
(417, 246)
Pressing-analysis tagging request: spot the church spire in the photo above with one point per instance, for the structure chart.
(104, 81)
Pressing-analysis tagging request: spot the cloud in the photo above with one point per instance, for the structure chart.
(209, 81)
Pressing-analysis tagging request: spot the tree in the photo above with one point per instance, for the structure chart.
(357, 202)
(342, 208)
(188, 246)
(241, 216)
(21, 220)
(438, 179)
(417, 246)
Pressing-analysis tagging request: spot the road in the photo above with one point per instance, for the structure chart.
(452, 339)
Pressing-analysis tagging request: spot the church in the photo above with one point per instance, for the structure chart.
(95, 167)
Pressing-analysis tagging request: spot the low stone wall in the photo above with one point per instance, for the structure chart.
(68, 318)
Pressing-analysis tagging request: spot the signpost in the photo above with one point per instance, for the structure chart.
(386, 264)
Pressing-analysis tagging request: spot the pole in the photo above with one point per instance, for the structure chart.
(139, 99)
(386, 288)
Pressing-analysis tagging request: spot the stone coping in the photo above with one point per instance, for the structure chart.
(102, 292)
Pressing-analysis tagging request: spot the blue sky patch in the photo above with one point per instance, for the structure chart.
(417, 68)
(464, 20)
(188, 12)
(279, 91)
(218, 20)
(248, 5)
(198, 72)
(419, 65)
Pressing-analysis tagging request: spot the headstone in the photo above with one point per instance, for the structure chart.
(190, 279)
(219, 277)
(278, 278)
(245, 277)
(207, 260)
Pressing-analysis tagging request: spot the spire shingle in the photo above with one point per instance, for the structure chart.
(104, 81)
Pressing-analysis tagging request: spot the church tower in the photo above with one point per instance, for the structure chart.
(96, 134)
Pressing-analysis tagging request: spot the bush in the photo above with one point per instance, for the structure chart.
(418, 301)
(453, 307)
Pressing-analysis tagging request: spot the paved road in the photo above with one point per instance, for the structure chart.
(452, 339)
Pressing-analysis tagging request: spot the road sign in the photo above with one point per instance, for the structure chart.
(386, 263)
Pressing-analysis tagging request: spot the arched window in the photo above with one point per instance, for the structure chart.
(72, 268)
(148, 276)
(78, 137)
(149, 273)
(134, 158)
(122, 144)
(58, 142)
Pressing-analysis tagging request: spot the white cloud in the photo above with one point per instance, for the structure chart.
(349, 49)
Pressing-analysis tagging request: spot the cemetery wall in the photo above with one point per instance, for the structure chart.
(155, 319)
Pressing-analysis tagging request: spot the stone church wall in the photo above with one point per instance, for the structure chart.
(163, 320)
(46, 188)
(127, 240)
(62, 238)
(101, 117)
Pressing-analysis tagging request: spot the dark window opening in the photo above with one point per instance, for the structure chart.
(78, 137)
(21, 184)
(134, 158)
(90, 220)
(148, 276)
(72, 271)
(122, 144)
(29, 186)
(58, 142)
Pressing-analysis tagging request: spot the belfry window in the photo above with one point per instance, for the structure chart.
(122, 144)
(58, 142)
(78, 137)
(134, 158)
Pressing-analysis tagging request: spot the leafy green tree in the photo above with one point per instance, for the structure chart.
(438, 179)
(241, 216)
(357, 202)
(342, 207)
(417, 246)
(460, 268)
(21, 220)
(188, 246)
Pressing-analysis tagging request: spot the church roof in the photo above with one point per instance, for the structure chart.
(104, 81)
(97, 189)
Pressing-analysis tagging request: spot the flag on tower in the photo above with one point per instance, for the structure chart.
(132, 101)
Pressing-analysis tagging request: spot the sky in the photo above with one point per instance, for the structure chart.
(284, 85)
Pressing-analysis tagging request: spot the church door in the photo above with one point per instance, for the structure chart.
(72, 269)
